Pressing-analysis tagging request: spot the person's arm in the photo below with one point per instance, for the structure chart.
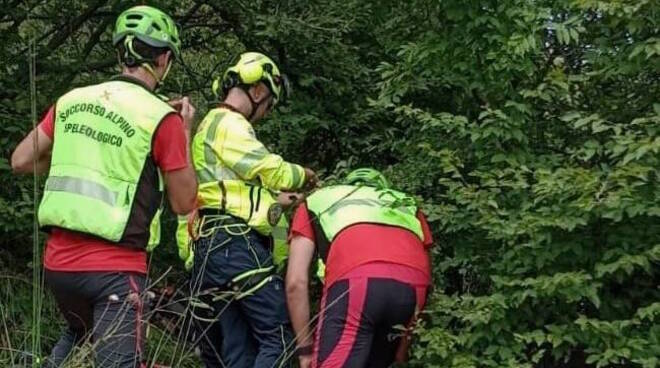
(249, 158)
(173, 157)
(22, 160)
(23, 157)
(301, 253)
(181, 190)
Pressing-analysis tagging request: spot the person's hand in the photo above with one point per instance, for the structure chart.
(305, 361)
(186, 109)
(311, 179)
(288, 199)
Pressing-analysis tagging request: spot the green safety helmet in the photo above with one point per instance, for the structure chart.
(149, 25)
(252, 68)
(369, 177)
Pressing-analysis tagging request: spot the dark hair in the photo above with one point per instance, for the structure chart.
(148, 53)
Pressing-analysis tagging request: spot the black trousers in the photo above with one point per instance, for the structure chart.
(104, 308)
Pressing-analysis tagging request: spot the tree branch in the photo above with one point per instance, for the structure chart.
(66, 31)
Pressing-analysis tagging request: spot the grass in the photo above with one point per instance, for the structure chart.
(16, 321)
(162, 345)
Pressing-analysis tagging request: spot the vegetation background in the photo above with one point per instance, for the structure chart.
(530, 131)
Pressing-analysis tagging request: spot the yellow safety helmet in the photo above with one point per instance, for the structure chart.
(253, 68)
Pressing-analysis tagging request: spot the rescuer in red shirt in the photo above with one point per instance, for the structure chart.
(374, 243)
(109, 149)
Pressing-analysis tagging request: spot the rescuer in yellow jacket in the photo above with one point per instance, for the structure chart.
(239, 301)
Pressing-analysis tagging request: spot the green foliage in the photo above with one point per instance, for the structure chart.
(530, 130)
(544, 181)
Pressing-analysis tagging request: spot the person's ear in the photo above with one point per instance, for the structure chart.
(259, 92)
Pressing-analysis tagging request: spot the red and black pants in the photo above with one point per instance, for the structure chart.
(360, 312)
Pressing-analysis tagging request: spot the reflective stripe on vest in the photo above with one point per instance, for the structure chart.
(337, 207)
(101, 162)
(82, 187)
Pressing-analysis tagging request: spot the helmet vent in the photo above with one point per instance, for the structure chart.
(134, 17)
(155, 25)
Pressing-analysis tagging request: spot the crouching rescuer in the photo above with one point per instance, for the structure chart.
(373, 241)
(239, 301)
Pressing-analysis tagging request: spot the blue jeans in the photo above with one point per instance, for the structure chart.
(253, 331)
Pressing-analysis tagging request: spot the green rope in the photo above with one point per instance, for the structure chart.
(36, 251)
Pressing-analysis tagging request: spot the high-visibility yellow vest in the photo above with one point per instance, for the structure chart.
(102, 179)
(338, 207)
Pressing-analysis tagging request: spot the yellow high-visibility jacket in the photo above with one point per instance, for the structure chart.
(238, 175)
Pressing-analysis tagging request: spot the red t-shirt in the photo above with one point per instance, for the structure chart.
(72, 251)
(366, 243)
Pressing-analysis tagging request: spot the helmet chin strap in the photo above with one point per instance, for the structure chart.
(159, 80)
(128, 43)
